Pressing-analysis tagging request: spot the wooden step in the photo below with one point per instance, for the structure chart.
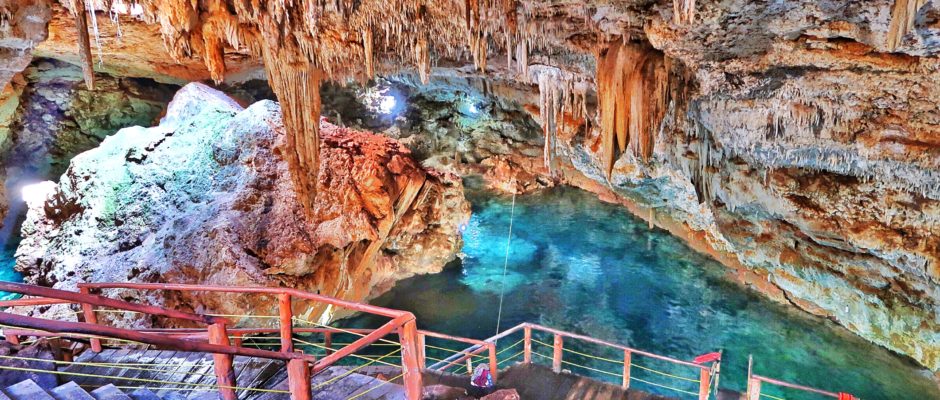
(70, 391)
(27, 390)
(144, 394)
(109, 392)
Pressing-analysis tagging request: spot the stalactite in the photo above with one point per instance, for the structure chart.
(683, 11)
(368, 52)
(84, 42)
(632, 86)
(297, 86)
(561, 95)
(903, 15)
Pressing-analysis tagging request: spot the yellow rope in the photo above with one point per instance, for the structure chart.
(453, 351)
(663, 386)
(351, 355)
(510, 346)
(126, 378)
(96, 364)
(771, 396)
(191, 389)
(347, 373)
(298, 319)
(511, 357)
(591, 369)
(358, 395)
(666, 374)
(621, 362)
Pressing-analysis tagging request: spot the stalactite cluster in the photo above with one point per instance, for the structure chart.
(632, 92)
(902, 21)
(562, 97)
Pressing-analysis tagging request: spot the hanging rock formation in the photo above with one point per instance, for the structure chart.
(205, 197)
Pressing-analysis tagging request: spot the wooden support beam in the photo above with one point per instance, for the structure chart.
(527, 349)
(90, 317)
(328, 342)
(556, 353)
(494, 366)
(287, 322)
(422, 351)
(298, 380)
(408, 336)
(703, 385)
(224, 370)
(627, 361)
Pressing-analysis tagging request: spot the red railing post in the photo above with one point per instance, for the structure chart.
(627, 360)
(422, 351)
(298, 379)
(556, 354)
(494, 366)
(224, 372)
(703, 385)
(527, 349)
(328, 342)
(89, 312)
(408, 336)
(286, 322)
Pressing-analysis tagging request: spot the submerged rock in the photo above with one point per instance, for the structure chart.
(205, 197)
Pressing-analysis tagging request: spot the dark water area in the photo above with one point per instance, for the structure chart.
(588, 267)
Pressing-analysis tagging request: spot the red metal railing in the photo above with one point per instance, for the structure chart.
(299, 366)
(706, 372)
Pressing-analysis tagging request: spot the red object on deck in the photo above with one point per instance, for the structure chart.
(846, 396)
(708, 357)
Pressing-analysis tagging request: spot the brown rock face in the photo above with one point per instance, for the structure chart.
(206, 198)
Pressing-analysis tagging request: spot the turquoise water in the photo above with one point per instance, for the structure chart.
(585, 266)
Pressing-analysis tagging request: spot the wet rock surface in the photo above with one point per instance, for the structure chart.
(205, 198)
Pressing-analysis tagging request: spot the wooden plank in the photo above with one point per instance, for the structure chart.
(27, 390)
(70, 391)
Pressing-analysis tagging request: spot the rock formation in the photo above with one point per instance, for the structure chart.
(794, 141)
(206, 197)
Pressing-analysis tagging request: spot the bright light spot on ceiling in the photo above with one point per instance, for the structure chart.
(473, 109)
(387, 104)
(37, 193)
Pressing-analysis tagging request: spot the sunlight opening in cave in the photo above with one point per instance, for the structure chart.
(36, 193)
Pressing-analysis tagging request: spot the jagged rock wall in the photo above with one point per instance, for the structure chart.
(205, 197)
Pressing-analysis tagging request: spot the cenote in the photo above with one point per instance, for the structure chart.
(585, 266)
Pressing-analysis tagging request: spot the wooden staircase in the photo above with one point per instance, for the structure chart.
(125, 374)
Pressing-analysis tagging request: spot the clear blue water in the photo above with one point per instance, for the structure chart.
(585, 266)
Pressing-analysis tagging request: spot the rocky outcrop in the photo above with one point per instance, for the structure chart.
(205, 197)
(50, 117)
(22, 27)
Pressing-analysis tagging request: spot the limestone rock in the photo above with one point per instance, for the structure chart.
(205, 197)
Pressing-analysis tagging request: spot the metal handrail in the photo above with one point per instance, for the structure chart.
(298, 365)
(706, 374)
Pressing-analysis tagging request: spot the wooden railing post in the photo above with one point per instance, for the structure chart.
(556, 354)
(287, 323)
(494, 366)
(224, 371)
(422, 351)
(408, 336)
(703, 385)
(89, 312)
(298, 379)
(527, 349)
(753, 389)
(328, 342)
(627, 360)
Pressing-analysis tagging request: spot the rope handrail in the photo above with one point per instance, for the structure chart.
(620, 362)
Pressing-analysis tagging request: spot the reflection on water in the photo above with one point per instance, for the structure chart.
(584, 266)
